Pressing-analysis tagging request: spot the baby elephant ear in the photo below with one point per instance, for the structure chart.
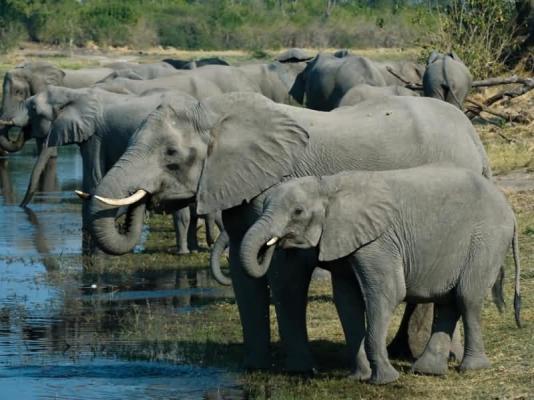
(253, 146)
(360, 210)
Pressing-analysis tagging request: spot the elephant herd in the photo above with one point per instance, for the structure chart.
(417, 220)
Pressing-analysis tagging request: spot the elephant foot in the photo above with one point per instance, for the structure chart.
(361, 374)
(300, 365)
(474, 362)
(384, 375)
(183, 252)
(399, 349)
(431, 363)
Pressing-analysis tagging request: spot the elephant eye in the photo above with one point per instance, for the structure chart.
(171, 152)
(298, 211)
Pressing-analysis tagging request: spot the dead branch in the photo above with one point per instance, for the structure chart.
(409, 85)
(503, 81)
(506, 116)
(509, 94)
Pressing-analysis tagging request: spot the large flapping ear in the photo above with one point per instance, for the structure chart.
(360, 209)
(75, 121)
(253, 146)
(43, 75)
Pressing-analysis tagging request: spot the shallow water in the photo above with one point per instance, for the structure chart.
(58, 325)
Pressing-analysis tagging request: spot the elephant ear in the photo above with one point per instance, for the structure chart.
(434, 56)
(43, 75)
(360, 209)
(253, 146)
(75, 121)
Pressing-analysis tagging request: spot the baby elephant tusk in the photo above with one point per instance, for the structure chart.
(82, 195)
(123, 202)
(7, 123)
(272, 241)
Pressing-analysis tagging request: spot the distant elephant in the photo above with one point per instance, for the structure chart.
(32, 78)
(427, 234)
(276, 80)
(199, 83)
(140, 71)
(364, 92)
(192, 64)
(341, 53)
(447, 78)
(293, 55)
(225, 151)
(408, 70)
(100, 123)
(326, 79)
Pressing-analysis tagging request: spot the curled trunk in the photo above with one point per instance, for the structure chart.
(38, 168)
(254, 253)
(103, 217)
(9, 145)
(215, 259)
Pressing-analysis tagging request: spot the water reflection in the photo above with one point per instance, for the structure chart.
(61, 323)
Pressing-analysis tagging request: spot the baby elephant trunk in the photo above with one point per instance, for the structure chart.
(258, 247)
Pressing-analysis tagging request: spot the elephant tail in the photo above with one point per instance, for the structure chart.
(517, 293)
(215, 264)
(447, 87)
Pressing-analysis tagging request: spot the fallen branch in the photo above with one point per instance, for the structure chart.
(409, 85)
(510, 94)
(506, 116)
(503, 81)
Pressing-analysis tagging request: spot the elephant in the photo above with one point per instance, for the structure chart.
(276, 80)
(192, 64)
(408, 70)
(225, 151)
(326, 79)
(364, 92)
(447, 78)
(32, 78)
(101, 123)
(433, 233)
(293, 55)
(140, 71)
(199, 83)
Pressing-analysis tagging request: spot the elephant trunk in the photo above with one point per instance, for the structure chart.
(9, 145)
(257, 248)
(216, 252)
(109, 237)
(46, 154)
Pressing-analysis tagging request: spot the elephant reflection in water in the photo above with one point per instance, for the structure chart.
(5, 181)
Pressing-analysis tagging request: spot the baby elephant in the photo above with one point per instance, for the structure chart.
(428, 234)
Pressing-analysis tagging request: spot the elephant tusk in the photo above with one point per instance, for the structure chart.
(7, 123)
(82, 195)
(123, 202)
(272, 241)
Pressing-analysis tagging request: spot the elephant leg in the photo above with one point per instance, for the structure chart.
(474, 354)
(181, 220)
(192, 240)
(434, 359)
(351, 310)
(289, 279)
(252, 297)
(399, 348)
(210, 229)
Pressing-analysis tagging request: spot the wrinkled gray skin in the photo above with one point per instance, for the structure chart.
(447, 78)
(199, 83)
(364, 92)
(101, 123)
(276, 80)
(32, 78)
(326, 79)
(192, 64)
(139, 71)
(227, 150)
(408, 70)
(428, 234)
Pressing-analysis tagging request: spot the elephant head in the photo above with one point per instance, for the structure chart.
(19, 84)
(298, 90)
(221, 153)
(337, 215)
(59, 116)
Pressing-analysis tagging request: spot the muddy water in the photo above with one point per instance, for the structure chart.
(58, 325)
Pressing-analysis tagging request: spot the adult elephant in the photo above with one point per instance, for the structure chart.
(326, 79)
(32, 78)
(226, 151)
(447, 78)
(100, 123)
(408, 70)
(139, 71)
(199, 83)
(293, 55)
(192, 64)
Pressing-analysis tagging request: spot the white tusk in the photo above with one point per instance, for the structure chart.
(82, 195)
(8, 123)
(123, 202)
(272, 241)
